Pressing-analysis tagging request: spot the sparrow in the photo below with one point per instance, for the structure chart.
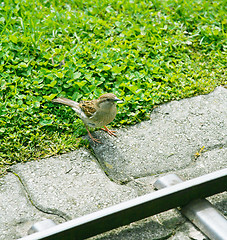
(94, 113)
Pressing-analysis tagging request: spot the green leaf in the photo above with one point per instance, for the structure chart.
(13, 38)
(52, 84)
(50, 97)
(46, 122)
(59, 74)
(81, 84)
(76, 75)
(107, 67)
(116, 69)
(22, 65)
(36, 104)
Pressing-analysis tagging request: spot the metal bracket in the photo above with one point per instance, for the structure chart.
(41, 226)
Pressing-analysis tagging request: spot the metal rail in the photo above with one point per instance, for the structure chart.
(136, 209)
(200, 212)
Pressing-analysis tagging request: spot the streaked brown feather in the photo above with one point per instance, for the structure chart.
(88, 107)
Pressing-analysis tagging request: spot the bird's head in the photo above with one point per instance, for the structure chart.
(108, 100)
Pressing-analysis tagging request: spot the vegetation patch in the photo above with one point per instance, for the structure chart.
(146, 52)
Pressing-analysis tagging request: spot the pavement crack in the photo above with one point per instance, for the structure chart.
(52, 211)
(216, 146)
(205, 149)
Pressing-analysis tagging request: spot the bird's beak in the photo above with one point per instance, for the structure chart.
(118, 100)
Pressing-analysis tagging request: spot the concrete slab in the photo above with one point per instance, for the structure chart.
(187, 232)
(208, 161)
(169, 141)
(17, 214)
(70, 185)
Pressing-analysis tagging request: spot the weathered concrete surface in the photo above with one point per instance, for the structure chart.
(74, 184)
(208, 161)
(17, 214)
(70, 185)
(187, 231)
(169, 141)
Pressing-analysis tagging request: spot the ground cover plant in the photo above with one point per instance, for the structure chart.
(146, 52)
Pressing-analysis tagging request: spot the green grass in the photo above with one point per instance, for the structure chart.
(147, 52)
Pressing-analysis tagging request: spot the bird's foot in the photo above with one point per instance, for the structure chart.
(110, 132)
(95, 140)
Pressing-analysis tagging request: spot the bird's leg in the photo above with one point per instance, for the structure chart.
(92, 138)
(111, 132)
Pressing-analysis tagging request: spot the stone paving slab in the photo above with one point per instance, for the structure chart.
(209, 161)
(187, 232)
(17, 214)
(70, 185)
(169, 141)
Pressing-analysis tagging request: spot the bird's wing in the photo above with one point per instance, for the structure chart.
(74, 105)
(88, 107)
(65, 101)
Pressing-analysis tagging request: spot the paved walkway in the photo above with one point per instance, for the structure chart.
(187, 137)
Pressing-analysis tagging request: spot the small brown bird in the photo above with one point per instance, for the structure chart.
(94, 113)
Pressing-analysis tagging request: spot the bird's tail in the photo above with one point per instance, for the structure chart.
(66, 101)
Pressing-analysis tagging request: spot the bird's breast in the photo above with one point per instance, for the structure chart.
(102, 118)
